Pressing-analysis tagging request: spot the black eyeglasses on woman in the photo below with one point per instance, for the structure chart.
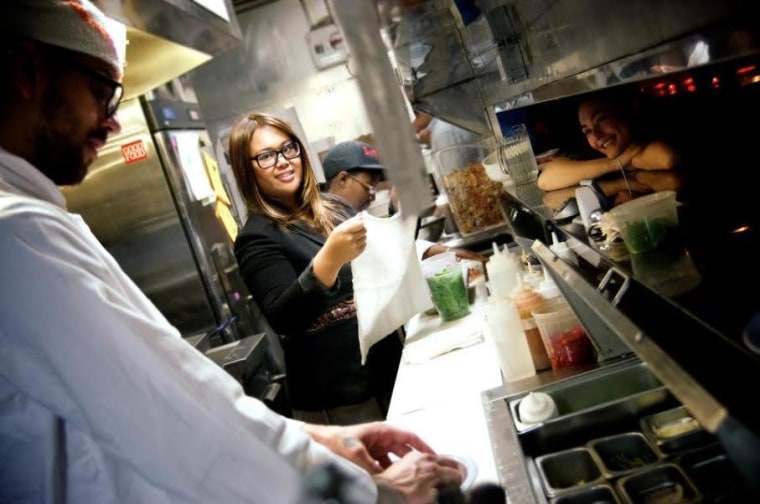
(268, 159)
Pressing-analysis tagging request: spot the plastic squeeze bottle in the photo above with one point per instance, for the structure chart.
(526, 300)
(548, 288)
(501, 270)
(506, 333)
(563, 250)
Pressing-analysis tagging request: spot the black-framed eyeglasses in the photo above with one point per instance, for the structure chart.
(371, 189)
(268, 159)
(106, 90)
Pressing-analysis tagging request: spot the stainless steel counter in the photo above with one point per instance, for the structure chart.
(598, 406)
(508, 455)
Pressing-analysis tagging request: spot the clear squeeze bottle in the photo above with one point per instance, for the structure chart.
(548, 288)
(506, 333)
(526, 300)
(501, 270)
(563, 250)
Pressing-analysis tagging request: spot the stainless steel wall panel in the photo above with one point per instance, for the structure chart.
(130, 208)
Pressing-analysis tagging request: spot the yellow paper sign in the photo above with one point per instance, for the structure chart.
(224, 216)
(212, 168)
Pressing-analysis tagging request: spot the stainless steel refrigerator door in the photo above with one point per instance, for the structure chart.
(182, 152)
(128, 205)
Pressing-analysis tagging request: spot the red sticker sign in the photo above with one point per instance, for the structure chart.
(134, 152)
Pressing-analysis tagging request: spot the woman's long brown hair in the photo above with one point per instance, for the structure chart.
(313, 210)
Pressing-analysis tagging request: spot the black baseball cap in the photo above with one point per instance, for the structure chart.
(350, 155)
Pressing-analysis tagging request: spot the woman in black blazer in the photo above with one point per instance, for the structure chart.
(294, 253)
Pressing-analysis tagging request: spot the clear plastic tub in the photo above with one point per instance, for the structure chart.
(444, 278)
(645, 222)
(474, 199)
(563, 335)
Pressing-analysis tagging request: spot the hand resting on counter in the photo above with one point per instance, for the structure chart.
(415, 475)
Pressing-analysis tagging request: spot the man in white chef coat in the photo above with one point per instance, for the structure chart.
(100, 398)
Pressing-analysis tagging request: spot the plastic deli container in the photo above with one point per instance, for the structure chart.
(475, 199)
(444, 278)
(563, 335)
(646, 222)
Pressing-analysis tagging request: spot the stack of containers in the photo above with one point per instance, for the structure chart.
(505, 326)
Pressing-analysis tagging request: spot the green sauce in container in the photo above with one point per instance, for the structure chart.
(646, 234)
(449, 293)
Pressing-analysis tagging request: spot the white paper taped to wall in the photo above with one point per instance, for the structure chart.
(189, 154)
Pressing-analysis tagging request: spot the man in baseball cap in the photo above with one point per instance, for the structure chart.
(352, 172)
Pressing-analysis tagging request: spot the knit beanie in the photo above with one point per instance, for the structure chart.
(76, 25)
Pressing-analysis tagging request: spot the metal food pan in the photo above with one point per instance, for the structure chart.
(674, 430)
(592, 390)
(622, 399)
(665, 483)
(623, 453)
(568, 470)
(597, 494)
(715, 475)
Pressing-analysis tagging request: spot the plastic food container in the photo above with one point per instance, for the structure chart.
(563, 335)
(444, 278)
(646, 222)
(474, 199)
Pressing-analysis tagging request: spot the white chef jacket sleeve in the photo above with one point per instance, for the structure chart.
(84, 342)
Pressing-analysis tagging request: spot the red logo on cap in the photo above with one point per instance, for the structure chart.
(369, 151)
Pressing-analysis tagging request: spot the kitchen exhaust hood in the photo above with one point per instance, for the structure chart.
(518, 52)
(169, 38)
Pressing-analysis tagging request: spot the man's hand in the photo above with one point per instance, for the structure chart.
(414, 476)
(417, 475)
(369, 444)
